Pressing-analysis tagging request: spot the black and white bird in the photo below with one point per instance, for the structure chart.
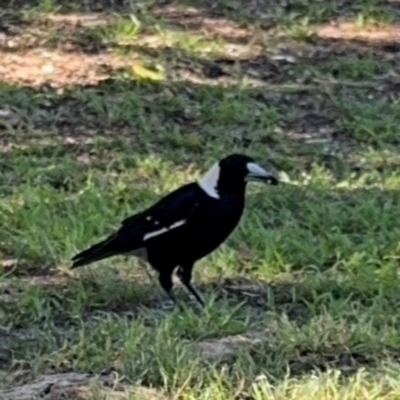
(186, 225)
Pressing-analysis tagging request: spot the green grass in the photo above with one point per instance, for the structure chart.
(313, 267)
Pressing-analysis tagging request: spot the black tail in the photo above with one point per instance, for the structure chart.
(99, 251)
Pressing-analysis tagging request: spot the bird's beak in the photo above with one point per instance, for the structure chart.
(257, 173)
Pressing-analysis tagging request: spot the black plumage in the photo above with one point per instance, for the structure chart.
(186, 225)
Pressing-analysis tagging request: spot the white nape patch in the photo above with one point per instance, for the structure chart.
(255, 170)
(148, 218)
(163, 230)
(209, 181)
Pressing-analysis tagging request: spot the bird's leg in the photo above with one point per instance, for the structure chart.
(185, 275)
(166, 283)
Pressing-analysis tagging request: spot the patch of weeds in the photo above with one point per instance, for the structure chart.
(373, 15)
(30, 12)
(121, 30)
(374, 122)
(352, 67)
(295, 27)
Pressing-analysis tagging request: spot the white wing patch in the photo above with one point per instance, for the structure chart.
(176, 224)
(209, 181)
(163, 230)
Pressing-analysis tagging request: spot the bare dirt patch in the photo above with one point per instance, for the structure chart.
(214, 349)
(56, 68)
(349, 31)
(84, 19)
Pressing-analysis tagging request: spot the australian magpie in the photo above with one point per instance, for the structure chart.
(186, 225)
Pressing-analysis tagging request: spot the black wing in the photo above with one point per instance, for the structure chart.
(171, 212)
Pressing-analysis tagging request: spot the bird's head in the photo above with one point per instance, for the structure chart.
(233, 172)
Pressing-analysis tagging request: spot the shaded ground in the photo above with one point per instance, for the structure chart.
(104, 106)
